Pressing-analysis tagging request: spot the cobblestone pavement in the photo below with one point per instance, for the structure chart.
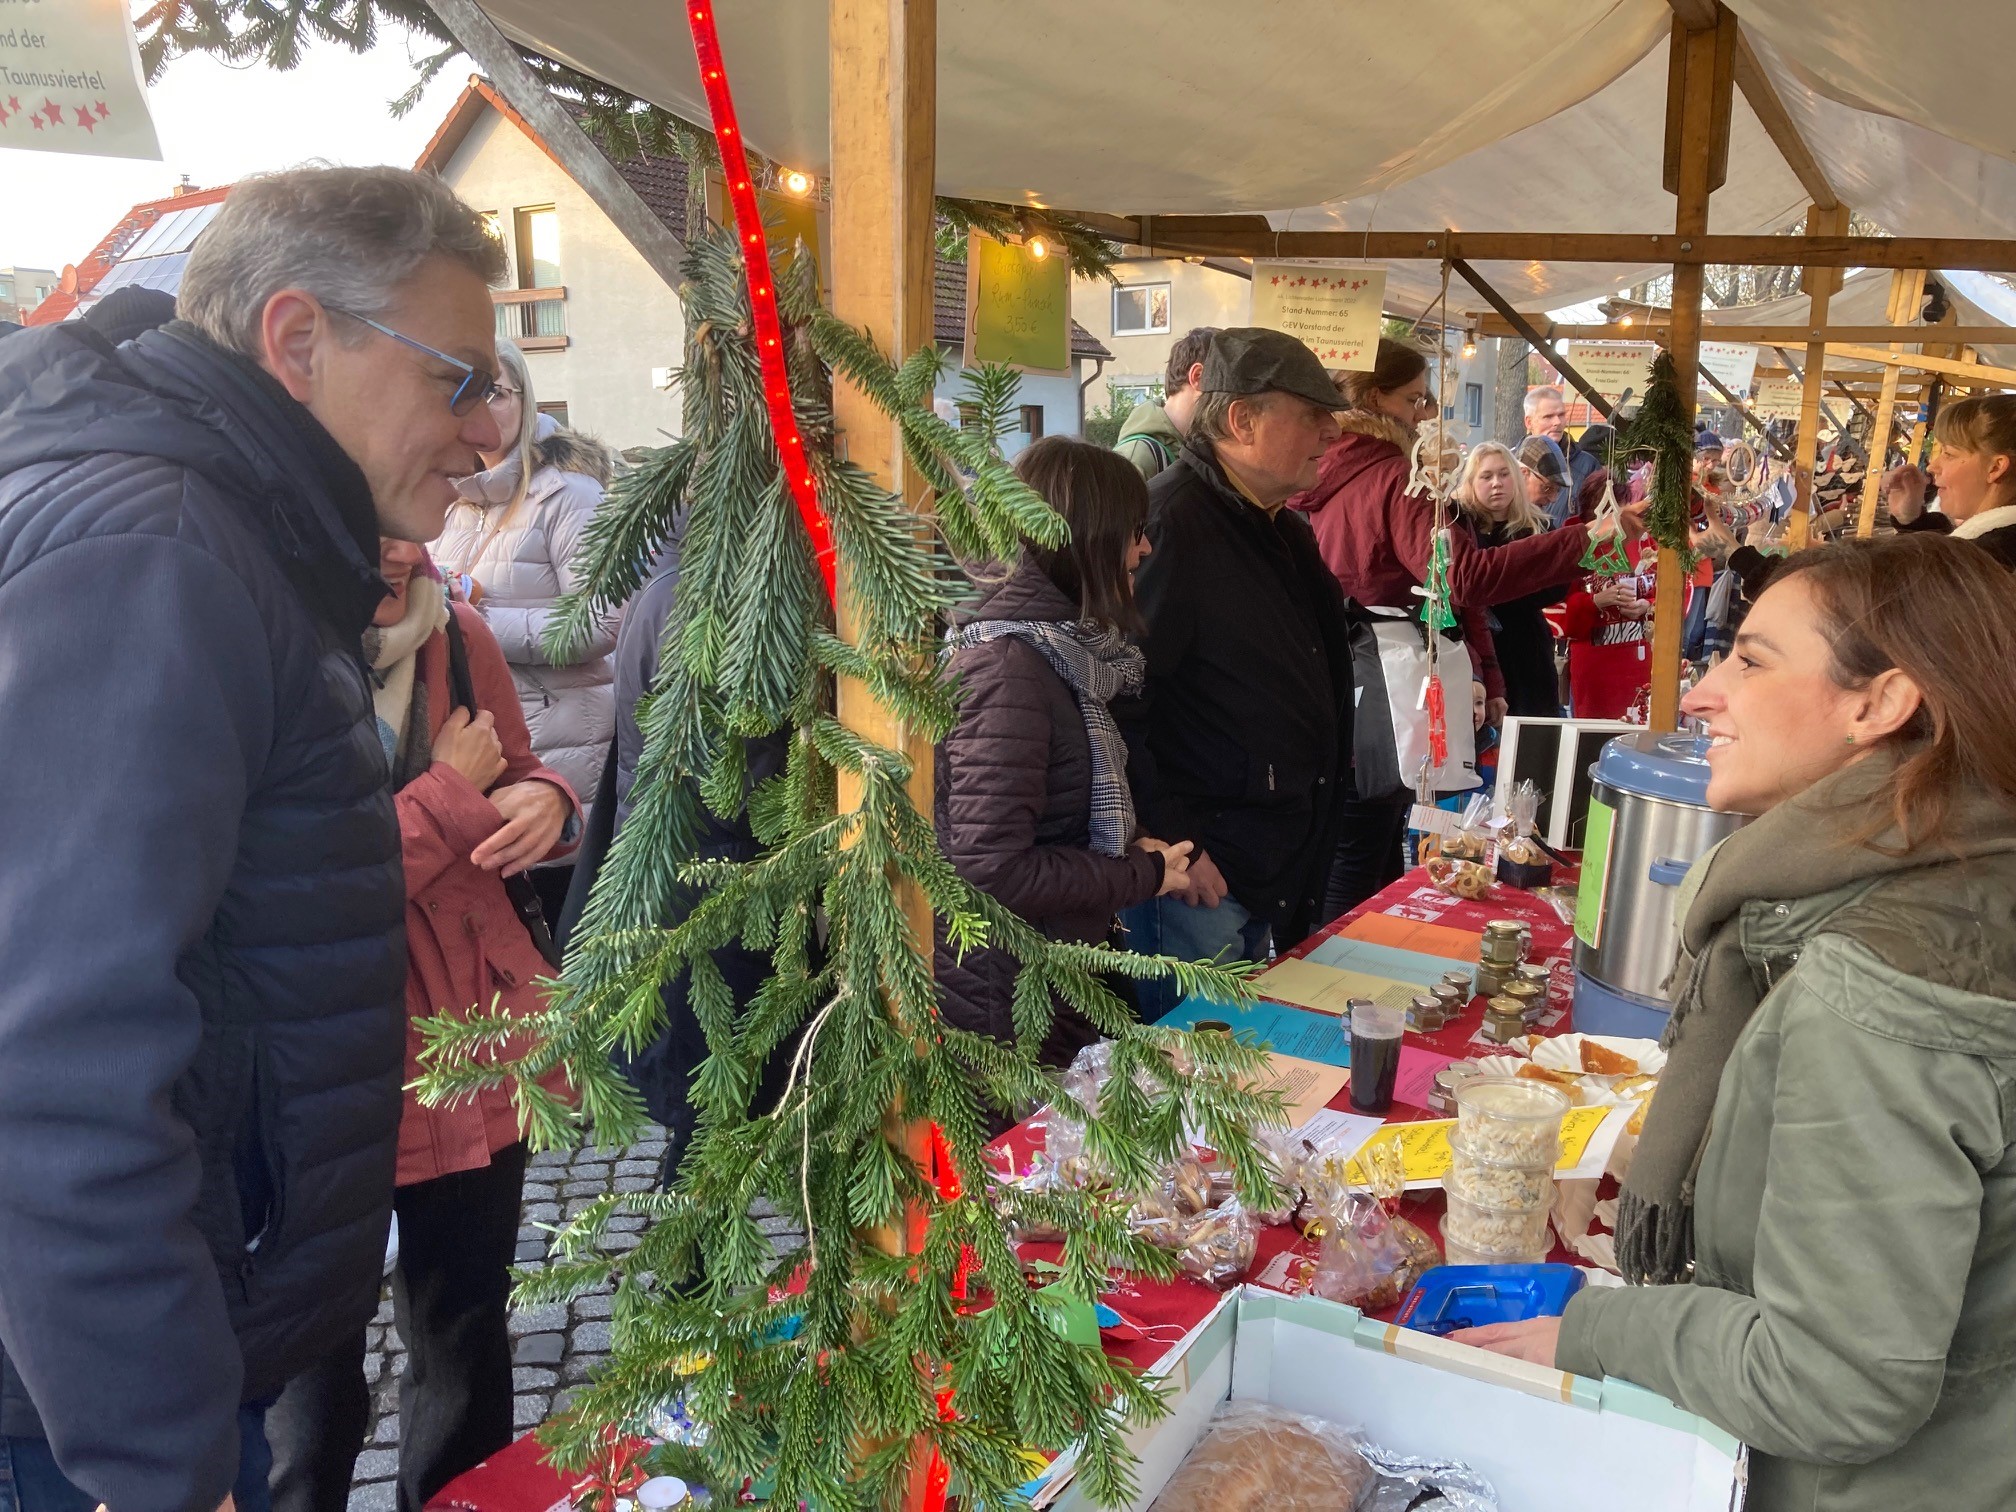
(554, 1347)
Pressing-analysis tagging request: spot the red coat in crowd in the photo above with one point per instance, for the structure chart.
(464, 941)
(1609, 649)
(1376, 537)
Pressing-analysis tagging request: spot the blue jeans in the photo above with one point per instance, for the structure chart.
(1164, 926)
(30, 1481)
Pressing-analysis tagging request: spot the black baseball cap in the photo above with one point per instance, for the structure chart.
(1255, 360)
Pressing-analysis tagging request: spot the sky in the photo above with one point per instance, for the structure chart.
(217, 124)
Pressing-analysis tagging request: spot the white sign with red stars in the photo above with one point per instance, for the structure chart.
(1332, 306)
(70, 80)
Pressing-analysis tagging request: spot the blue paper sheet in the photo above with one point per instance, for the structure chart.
(1278, 1027)
(1384, 961)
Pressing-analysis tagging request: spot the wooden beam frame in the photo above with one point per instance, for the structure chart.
(1919, 362)
(1539, 343)
(1495, 324)
(1251, 236)
(1778, 125)
(1702, 70)
(570, 146)
(1907, 292)
(1819, 284)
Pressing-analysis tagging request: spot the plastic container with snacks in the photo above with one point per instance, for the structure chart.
(1511, 1120)
(1499, 1231)
(1497, 1183)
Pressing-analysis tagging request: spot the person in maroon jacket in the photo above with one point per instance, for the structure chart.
(1033, 803)
(1377, 538)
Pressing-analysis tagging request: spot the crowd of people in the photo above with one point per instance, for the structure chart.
(314, 773)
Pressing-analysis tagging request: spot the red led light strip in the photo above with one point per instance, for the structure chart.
(762, 296)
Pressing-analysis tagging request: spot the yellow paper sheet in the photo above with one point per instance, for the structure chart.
(1425, 1154)
(1327, 989)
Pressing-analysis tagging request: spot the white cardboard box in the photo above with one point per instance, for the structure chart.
(1548, 1441)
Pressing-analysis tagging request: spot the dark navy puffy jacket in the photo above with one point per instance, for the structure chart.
(202, 957)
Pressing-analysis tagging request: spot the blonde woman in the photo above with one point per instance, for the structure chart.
(509, 550)
(1493, 496)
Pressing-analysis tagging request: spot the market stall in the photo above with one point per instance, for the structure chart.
(895, 106)
(1393, 952)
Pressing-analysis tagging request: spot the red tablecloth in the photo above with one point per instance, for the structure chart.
(1156, 1314)
(1170, 1307)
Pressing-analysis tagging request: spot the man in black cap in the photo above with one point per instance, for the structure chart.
(1243, 735)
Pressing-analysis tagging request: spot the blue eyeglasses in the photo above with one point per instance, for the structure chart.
(477, 387)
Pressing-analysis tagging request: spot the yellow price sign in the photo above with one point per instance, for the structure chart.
(1425, 1154)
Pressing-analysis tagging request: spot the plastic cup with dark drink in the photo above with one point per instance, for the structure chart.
(1375, 1056)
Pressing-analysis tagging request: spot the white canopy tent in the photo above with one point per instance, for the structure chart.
(1547, 116)
(1544, 152)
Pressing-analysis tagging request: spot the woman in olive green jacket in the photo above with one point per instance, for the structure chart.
(1833, 1144)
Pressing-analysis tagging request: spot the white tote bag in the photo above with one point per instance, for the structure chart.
(1403, 659)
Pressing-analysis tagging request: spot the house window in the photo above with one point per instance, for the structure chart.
(1141, 309)
(1473, 404)
(493, 223)
(1032, 421)
(969, 416)
(538, 239)
(557, 409)
(1127, 395)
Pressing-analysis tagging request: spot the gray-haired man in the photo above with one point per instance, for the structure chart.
(1547, 415)
(202, 1035)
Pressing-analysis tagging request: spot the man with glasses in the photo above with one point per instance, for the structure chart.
(202, 1033)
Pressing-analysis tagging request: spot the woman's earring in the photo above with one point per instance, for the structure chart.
(1851, 740)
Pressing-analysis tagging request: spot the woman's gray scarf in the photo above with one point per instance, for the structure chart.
(1801, 849)
(1099, 666)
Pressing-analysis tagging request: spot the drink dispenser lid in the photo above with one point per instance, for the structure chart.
(1672, 767)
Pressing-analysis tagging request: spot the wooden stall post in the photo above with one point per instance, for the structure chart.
(883, 58)
(884, 120)
(1907, 293)
(1819, 284)
(1700, 83)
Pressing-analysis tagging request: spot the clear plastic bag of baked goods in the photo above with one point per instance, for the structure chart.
(1219, 1245)
(1064, 1135)
(1257, 1458)
(1370, 1257)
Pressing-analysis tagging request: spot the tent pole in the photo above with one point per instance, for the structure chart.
(1907, 292)
(1700, 84)
(1819, 284)
(883, 57)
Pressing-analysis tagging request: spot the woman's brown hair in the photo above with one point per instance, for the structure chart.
(1943, 613)
(1105, 502)
(1396, 366)
(1985, 423)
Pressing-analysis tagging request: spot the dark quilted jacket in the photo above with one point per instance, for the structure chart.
(202, 1025)
(1014, 800)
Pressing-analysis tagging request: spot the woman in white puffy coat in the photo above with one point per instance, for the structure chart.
(513, 535)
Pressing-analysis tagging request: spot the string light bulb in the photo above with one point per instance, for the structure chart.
(1038, 248)
(797, 182)
(1469, 345)
(1627, 320)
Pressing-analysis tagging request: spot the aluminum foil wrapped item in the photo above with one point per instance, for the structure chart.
(1403, 1478)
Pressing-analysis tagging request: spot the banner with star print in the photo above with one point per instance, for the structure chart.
(1333, 307)
(70, 80)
